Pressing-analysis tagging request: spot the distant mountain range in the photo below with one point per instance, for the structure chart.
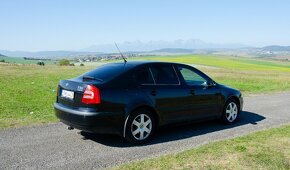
(173, 50)
(156, 45)
(1, 55)
(277, 48)
(177, 46)
(191, 46)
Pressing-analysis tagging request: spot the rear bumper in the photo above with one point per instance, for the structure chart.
(90, 121)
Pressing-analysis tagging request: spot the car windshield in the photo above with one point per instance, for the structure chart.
(105, 72)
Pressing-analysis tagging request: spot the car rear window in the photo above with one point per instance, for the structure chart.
(106, 72)
(143, 76)
(164, 75)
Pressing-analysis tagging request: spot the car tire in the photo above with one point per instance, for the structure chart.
(231, 111)
(140, 126)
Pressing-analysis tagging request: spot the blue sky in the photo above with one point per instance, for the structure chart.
(34, 25)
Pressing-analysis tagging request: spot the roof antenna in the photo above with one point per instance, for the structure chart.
(121, 53)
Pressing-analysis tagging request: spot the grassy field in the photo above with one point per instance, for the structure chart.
(226, 62)
(26, 89)
(27, 95)
(268, 149)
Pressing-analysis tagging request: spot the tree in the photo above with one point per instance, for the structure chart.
(64, 62)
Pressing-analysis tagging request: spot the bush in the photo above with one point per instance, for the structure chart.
(82, 64)
(2, 61)
(64, 62)
(41, 63)
(71, 64)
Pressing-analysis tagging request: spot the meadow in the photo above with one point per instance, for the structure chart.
(261, 150)
(28, 91)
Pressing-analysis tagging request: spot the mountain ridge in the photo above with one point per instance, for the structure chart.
(266, 50)
(276, 48)
(156, 45)
(1, 55)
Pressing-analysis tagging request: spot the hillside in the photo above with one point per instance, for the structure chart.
(276, 48)
(1, 55)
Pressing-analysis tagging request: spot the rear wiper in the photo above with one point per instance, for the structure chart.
(91, 78)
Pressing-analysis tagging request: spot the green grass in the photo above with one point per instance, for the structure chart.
(26, 89)
(29, 88)
(268, 149)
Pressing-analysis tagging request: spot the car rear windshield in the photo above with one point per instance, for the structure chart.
(106, 72)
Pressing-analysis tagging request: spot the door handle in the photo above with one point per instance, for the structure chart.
(192, 92)
(153, 93)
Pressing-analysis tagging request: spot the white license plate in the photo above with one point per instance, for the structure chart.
(67, 94)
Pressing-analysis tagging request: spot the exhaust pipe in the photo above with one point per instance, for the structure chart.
(70, 128)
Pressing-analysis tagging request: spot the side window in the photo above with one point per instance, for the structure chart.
(164, 75)
(190, 77)
(143, 76)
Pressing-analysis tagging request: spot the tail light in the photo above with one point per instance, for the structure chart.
(91, 95)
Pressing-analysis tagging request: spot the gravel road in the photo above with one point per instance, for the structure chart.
(53, 146)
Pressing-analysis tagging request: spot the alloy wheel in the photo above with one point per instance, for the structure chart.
(141, 127)
(231, 111)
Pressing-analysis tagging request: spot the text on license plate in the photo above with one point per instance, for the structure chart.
(67, 94)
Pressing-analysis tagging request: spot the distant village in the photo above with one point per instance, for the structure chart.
(86, 58)
(95, 58)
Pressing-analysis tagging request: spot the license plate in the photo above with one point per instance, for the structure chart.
(67, 94)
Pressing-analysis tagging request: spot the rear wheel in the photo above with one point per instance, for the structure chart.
(140, 126)
(231, 111)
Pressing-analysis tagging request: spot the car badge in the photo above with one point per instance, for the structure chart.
(80, 88)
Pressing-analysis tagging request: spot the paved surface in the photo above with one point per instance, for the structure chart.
(52, 146)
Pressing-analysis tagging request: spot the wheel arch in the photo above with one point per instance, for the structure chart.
(233, 97)
(143, 106)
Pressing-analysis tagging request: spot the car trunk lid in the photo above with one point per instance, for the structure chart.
(70, 92)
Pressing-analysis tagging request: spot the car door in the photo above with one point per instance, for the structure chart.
(170, 98)
(203, 94)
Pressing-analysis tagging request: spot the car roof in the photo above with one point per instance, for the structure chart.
(137, 63)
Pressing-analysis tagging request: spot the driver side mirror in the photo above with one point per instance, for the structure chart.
(209, 84)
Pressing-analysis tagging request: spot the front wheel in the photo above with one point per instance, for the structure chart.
(231, 112)
(140, 126)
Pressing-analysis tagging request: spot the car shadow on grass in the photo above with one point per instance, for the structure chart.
(177, 132)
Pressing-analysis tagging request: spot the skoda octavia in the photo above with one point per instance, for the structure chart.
(133, 99)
